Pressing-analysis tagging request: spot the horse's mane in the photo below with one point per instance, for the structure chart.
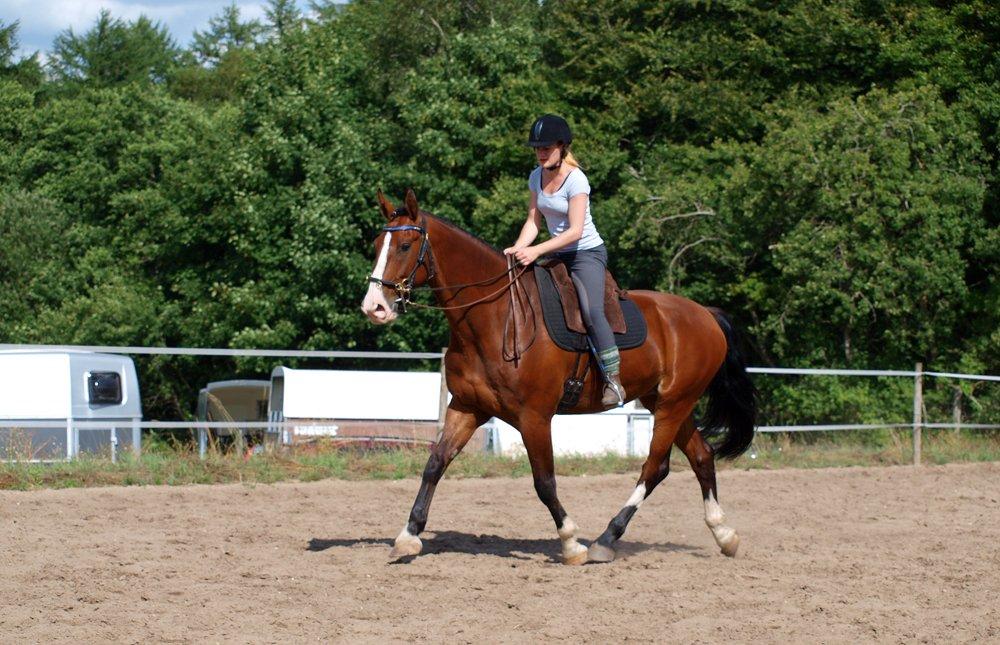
(478, 241)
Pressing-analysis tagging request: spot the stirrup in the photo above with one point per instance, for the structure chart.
(614, 393)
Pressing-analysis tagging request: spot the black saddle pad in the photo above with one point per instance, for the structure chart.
(555, 321)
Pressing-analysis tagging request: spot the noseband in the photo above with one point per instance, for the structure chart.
(405, 286)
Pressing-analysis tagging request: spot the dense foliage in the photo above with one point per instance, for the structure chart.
(826, 171)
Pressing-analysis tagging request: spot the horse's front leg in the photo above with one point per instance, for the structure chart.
(459, 425)
(537, 436)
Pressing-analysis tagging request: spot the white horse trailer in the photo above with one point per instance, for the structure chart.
(408, 406)
(624, 431)
(337, 403)
(57, 405)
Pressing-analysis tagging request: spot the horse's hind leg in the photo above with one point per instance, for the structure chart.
(667, 418)
(702, 459)
(459, 425)
(537, 438)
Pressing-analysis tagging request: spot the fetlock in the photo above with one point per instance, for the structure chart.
(614, 393)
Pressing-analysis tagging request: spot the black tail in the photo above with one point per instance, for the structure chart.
(731, 416)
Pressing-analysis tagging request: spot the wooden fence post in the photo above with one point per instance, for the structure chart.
(918, 406)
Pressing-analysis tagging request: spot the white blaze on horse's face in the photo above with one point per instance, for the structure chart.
(375, 306)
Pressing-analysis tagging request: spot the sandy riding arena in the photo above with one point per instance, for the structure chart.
(836, 555)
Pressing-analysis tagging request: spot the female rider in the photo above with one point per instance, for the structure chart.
(560, 193)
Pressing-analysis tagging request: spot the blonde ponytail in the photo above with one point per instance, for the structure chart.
(569, 158)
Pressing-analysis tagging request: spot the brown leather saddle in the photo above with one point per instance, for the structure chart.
(564, 320)
(571, 301)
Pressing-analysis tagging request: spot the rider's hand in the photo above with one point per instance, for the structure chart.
(510, 250)
(526, 255)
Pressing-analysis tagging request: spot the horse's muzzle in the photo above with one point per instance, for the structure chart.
(379, 310)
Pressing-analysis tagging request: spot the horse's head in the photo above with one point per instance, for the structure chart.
(403, 256)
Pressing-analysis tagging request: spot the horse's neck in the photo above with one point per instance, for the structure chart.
(460, 259)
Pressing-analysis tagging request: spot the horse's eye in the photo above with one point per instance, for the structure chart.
(404, 247)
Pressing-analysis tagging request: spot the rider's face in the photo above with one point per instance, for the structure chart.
(548, 156)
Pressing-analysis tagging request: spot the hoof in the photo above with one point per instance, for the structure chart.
(600, 553)
(576, 556)
(405, 545)
(730, 547)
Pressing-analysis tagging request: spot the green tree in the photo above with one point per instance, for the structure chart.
(283, 17)
(137, 173)
(302, 182)
(27, 70)
(226, 32)
(869, 215)
(212, 69)
(113, 52)
(389, 38)
(846, 237)
(34, 262)
(463, 115)
(16, 105)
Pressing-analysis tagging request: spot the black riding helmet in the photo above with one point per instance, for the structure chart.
(549, 130)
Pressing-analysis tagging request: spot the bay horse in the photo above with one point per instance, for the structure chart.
(689, 350)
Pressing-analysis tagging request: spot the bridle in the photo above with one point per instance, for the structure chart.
(404, 287)
(518, 296)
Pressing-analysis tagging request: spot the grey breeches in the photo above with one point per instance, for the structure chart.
(587, 270)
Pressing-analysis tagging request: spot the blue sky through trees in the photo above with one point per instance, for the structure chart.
(41, 20)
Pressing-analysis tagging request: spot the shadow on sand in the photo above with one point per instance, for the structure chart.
(496, 545)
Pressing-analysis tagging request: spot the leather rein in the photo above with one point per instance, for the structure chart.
(405, 287)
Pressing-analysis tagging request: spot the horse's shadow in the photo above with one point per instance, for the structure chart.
(499, 546)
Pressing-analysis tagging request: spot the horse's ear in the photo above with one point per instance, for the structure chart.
(385, 205)
(411, 204)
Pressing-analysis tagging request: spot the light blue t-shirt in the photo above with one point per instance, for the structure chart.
(555, 208)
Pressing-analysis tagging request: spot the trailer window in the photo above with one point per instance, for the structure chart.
(104, 387)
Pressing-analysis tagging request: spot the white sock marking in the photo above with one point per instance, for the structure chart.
(568, 529)
(638, 496)
(567, 534)
(715, 519)
(713, 512)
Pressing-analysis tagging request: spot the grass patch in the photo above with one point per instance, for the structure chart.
(868, 448)
(177, 464)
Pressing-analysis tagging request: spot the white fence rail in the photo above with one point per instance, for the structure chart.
(805, 371)
(918, 374)
(209, 351)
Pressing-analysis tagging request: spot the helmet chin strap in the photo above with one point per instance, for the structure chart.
(557, 166)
